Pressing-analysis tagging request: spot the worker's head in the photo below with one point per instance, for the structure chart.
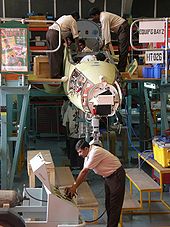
(69, 39)
(82, 148)
(100, 57)
(82, 44)
(75, 15)
(94, 13)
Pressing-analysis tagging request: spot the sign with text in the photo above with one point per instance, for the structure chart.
(154, 57)
(151, 31)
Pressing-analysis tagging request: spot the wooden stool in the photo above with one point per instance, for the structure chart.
(50, 167)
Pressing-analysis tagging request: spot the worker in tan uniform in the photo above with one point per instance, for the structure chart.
(103, 163)
(68, 25)
(83, 47)
(74, 128)
(113, 23)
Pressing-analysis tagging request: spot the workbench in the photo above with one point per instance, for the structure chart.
(143, 183)
(148, 158)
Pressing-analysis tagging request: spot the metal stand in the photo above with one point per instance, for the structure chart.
(11, 89)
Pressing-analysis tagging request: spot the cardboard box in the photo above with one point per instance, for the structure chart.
(139, 70)
(126, 75)
(41, 67)
(37, 24)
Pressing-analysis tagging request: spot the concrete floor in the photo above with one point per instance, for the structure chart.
(96, 183)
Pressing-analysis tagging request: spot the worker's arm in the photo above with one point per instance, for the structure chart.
(70, 192)
(81, 177)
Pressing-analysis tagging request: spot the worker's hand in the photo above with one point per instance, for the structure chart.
(70, 192)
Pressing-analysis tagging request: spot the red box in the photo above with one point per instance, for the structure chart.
(165, 177)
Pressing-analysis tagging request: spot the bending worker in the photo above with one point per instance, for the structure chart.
(103, 163)
(68, 25)
(113, 23)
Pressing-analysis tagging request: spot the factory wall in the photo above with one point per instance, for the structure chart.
(16, 8)
(66, 7)
(163, 8)
(140, 8)
(145, 8)
(0, 8)
(86, 5)
(114, 6)
(46, 6)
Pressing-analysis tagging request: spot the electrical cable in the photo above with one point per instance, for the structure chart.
(146, 158)
(90, 221)
(137, 136)
(39, 89)
(41, 200)
(129, 139)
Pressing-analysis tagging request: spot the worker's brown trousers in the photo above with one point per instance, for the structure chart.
(114, 189)
(55, 58)
(123, 45)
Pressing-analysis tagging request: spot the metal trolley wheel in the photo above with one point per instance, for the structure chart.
(10, 219)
